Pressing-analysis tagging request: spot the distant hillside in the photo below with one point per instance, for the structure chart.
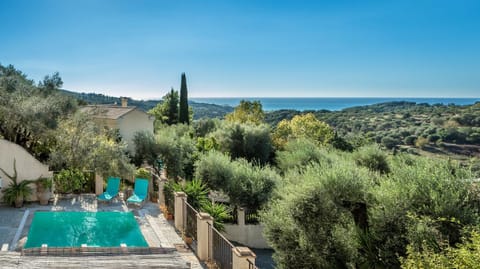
(200, 110)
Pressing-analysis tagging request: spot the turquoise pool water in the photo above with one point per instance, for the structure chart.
(96, 229)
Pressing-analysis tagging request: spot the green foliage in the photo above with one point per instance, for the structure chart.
(390, 142)
(29, 114)
(336, 213)
(219, 212)
(205, 144)
(15, 189)
(464, 255)
(82, 145)
(298, 154)
(167, 111)
(183, 113)
(247, 112)
(372, 158)
(247, 185)
(303, 126)
(44, 184)
(251, 186)
(251, 142)
(178, 150)
(421, 200)
(143, 173)
(197, 193)
(146, 149)
(310, 223)
(69, 180)
(215, 169)
(205, 126)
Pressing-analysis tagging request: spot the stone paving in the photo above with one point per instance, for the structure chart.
(158, 232)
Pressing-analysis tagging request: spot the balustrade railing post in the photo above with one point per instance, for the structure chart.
(179, 208)
(241, 216)
(241, 257)
(203, 221)
(98, 184)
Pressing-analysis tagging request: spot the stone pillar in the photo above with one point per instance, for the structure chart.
(161, 195)
(44, 250)
(203, 235)
(179, 208)
(240, 256)
(98, 184)
(241, 216)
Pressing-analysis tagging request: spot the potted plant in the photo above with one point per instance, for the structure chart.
(44, 190)
(16, 192)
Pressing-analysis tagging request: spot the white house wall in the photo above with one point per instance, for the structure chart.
(27, 166)
(131, 123)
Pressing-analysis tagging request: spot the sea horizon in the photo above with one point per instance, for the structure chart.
(328, 103)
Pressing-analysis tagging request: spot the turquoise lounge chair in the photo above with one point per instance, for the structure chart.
(113, 185)
(140, 191)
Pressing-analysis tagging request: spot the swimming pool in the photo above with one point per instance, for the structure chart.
(95, 229)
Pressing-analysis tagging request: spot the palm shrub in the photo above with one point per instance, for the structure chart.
(14, 193)
(197, 193)
(219, 212)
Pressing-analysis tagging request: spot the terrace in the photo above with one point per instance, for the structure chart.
(165, 247)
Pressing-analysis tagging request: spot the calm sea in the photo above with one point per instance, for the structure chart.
(329, 103)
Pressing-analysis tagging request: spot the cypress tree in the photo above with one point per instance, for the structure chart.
(183, 116)
(172, 104)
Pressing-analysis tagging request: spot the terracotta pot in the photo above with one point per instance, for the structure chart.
(188, 240)
(44, 197)
(19, 201)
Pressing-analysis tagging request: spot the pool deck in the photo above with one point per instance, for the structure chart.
(157, 231)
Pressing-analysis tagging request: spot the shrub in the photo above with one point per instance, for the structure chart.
(219, 212)
(215, 169)
(69, 180)
(372, 158)
(465, 255)
(297, 154)
(421, 142)
(310, 224)
(248, 141)
(410, 140)
(247, 185)
(177, 150)
(197, 193)
(390, 142)
(143, 173)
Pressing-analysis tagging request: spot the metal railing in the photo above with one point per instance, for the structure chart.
(190, 220)
(233, 215)
(221, 249)
(251, 216)
(251, 265)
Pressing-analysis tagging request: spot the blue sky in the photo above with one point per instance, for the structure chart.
(243, 48)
